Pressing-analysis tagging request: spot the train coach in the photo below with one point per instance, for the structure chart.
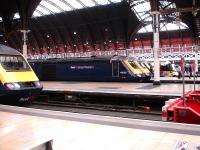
(115, 68)
(18, 82)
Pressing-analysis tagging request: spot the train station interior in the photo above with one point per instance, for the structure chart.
(100, 74)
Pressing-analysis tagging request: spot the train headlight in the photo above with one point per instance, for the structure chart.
(147, 74)
(12, 86)
(38, 84)
(17, 86)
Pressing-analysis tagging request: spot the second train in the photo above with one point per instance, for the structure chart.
(115, 68)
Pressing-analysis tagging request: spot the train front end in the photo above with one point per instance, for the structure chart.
(18, 80)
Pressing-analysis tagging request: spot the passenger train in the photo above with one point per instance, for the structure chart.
(109, 68)
(18, 82)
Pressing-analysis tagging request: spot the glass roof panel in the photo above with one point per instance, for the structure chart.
(74, 4)
(102, 2)
(36, 14)
(142, 10)
(164, 27)
(50, 6)
(115, 1)
(56, 6)
(88, 3)
(62, 5)
(42, 10)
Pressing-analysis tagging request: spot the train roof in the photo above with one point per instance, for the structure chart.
(5, 50)
(93, 58)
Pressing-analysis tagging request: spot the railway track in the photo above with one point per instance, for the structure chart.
(127, 111)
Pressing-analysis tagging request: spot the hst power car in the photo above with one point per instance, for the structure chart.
(115, 68)
(17, 80)
(140, 65)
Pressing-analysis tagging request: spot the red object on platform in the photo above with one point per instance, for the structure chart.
(190, 113)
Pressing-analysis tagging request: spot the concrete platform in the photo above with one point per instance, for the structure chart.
(89, 132)
(119, 88)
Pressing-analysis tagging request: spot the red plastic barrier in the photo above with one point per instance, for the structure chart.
(175, 111)
(186, 115)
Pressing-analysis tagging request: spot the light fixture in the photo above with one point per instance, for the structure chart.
(136, 39)
(74, 33)
(48, 35)
(110, 41)
(5, 41)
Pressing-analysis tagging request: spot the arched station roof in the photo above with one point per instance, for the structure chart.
(81, 22)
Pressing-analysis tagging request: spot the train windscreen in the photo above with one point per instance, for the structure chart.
(134, 65)
(142, 65)
(13, 63)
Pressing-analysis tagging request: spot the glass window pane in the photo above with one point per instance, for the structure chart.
(50, 6)
(13, 63)
(88, 3)
(74, 4)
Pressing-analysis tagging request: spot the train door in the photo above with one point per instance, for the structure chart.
(115, 69)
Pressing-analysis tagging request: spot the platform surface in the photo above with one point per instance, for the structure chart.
(172, 89)
(19, 131)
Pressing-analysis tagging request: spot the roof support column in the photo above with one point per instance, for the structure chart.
(25, 32)
(156, 46)
(156, 41)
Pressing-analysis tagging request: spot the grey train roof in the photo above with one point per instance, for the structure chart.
(5, 50)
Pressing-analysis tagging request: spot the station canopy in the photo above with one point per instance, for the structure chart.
(47, 7)
(141, 8)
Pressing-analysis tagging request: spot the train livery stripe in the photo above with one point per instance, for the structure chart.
(23, 76)
(131, 68)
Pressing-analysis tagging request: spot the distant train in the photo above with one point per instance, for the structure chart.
(18, 82)
(168, 69)
(116, 68)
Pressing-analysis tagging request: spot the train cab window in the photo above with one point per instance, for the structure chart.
(142, 65)
(13, 63)
(115, 69)
(134, 65)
